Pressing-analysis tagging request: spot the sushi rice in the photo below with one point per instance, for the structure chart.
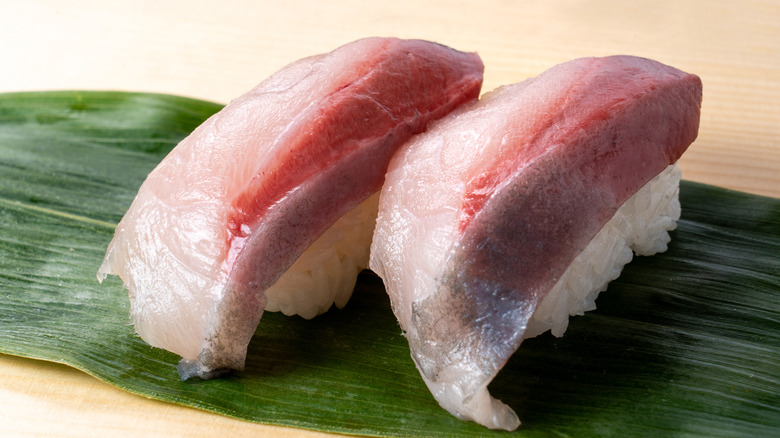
(325, 274)
(641, 225)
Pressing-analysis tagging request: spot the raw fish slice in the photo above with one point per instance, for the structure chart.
(236, 203)
(481, 216)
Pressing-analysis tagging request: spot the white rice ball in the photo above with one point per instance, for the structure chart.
(640, 226)
(325, 274)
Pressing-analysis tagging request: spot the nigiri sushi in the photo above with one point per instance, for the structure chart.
(209, 240)
(514, 212)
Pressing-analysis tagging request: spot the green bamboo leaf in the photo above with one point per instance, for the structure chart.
(683, 343)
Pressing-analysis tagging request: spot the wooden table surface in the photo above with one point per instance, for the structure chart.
(219, 50)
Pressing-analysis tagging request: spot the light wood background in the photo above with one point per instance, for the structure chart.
(218, 50)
